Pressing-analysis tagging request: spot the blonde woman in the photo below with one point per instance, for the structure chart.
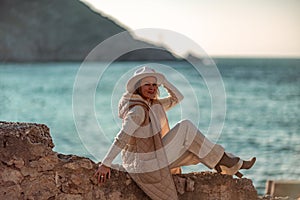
(151, 151)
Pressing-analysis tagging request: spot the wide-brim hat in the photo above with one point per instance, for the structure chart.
(142, 73)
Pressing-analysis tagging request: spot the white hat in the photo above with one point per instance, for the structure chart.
(142, 73)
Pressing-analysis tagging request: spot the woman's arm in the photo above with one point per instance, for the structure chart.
(131, 122)
(174, 97)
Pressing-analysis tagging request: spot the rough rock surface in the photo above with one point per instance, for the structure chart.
(61, 30)
(29, 169)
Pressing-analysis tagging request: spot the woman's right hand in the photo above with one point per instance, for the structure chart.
(102, 173)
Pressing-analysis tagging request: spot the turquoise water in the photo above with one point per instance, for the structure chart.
(262, 109)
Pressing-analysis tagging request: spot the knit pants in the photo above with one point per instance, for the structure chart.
(186, 145)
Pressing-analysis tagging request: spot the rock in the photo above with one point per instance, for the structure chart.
(83, 163)
(128, 182)
(190, 185)
(17, 162)
(55, 30)
(11, 175)
(26, 175)
(180, 184)
(209, 185)
(41, 187)
(69, 197)
(10, 192)
(45, 163)
(115, 195)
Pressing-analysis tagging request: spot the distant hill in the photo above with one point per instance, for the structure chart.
(60, 30)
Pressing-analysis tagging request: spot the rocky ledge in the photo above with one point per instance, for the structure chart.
(30, 169)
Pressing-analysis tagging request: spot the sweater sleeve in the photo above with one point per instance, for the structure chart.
(174, 96)
(134, 118)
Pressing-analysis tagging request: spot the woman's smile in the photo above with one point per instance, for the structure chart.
(149, 88)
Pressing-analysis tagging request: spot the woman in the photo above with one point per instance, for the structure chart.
(150, 150)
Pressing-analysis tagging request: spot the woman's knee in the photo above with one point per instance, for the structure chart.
(186, 122)
(187, 125)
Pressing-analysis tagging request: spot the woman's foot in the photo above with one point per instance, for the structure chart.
(231, 165)
(247, 164)
(228, 161)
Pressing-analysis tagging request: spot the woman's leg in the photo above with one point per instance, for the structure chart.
(186, 145)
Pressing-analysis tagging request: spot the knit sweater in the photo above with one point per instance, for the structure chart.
(133, 118)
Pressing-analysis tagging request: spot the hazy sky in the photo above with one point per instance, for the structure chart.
(221, 27)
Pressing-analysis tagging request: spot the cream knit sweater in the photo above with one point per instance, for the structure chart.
(133, 118)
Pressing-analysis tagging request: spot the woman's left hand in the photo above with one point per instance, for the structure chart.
(102, 173)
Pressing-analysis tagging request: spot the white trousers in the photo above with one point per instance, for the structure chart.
(186, 145)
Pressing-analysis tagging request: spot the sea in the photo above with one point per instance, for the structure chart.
(250, 106)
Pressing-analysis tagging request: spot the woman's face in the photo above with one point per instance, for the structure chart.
(149, 88)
